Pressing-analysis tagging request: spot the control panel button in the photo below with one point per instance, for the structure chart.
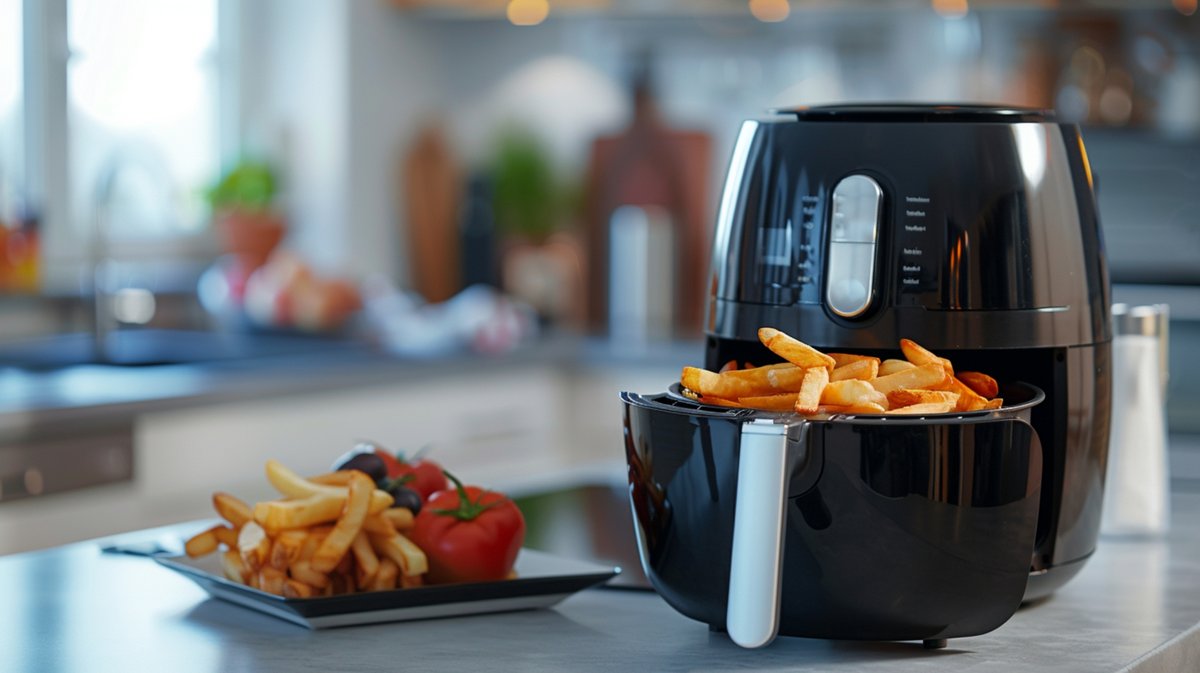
(855, 213)
(854, 228)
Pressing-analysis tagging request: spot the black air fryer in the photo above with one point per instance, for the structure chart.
(971, 230)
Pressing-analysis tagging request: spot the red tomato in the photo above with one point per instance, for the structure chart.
(393, 465)
(427, 477)
(469, 535)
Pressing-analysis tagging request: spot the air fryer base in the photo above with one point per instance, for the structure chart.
(1044, 583)
(913, 531)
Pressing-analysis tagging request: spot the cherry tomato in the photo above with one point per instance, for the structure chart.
(393, 465)
(469, 535)
(427, 477)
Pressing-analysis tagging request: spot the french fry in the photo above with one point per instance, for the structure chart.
(792, 350)
(843, 359)
(331, 551)
(732, 365)
(366, 563)
(925, 408)
(280, 515)
(968, 400)
(231, 509)
(339, 478)
(293, 588)
(381, 524)
(786, 379)
(859, 369)
(385, 577)
(226, 536)
(408, 556)
(292, 485)
(271, 580)
(346, 565)
(286, 548)
(721, 385)
(809, 397)
(925, 376)
(888, 367)
(908, 396)
(757, 374)
(233, 567)
(707, 399)
(316, 535)
(994, 403)
(202, 543)
(852, 392)
(303, 571)
(865, 408)
(919, 355)
(780, 402)
(979, 382)
(401, 517)
(719, 402)
(254, 546)
(414, 581)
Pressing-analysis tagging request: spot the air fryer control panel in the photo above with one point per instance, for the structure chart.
(918, 249)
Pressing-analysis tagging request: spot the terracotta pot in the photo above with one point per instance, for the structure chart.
(250, 235)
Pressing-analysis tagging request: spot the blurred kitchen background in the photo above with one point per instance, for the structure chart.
(239, 230)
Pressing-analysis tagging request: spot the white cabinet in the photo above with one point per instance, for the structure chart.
(504, 426)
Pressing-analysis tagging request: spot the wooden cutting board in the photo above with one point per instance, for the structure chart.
(431, 185)
(650, 164)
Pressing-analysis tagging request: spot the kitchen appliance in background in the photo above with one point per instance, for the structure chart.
(649, 165)
(641, 275)
(969, 229)
(1137, 495)
(477, 235)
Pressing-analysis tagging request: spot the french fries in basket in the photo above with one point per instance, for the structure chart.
(811, 382)
(334, 533)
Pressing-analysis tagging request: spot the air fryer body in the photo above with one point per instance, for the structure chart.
(973, 233)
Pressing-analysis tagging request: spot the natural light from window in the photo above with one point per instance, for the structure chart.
(12, 145)
(142, 89)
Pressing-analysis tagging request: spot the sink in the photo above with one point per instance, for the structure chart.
(146, 347)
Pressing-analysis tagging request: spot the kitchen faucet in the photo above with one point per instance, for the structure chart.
(149, 162)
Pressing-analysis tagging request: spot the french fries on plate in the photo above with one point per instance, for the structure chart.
(334, 533)
(810, 382)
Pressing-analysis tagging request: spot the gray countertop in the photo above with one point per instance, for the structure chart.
(1135, 606)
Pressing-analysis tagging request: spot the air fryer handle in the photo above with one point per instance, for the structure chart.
(755, 569)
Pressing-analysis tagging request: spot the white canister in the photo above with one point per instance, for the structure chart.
(1137, 492)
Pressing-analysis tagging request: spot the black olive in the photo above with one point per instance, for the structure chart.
(367, 462)
(405, 496)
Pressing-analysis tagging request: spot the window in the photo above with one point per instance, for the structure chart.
(12, 104)
(112, 102)
(142, 112)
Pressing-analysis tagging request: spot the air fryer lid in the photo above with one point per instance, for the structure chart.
(914, 112)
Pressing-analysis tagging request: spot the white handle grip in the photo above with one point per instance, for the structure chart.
(752, 616)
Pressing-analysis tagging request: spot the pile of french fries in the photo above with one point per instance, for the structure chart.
(814, 383)
(331, 534)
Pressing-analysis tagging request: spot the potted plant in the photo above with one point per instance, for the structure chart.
(244, 214)
(540, 261)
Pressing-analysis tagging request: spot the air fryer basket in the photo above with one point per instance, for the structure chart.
(894, 528)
